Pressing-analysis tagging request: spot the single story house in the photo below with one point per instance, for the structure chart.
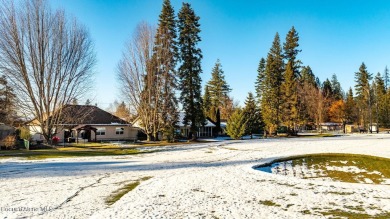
(331, 126)
(206, 131)
(87, 123)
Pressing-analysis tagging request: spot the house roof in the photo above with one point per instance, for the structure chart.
(87, 114)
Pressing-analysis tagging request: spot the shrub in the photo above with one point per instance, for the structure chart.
(24, 133)
(9, 141)
(236, 125)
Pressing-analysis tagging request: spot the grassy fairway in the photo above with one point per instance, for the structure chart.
(67, 152)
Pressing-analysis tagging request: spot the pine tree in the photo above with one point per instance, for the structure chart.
(259, 84)
(350, 107)
(236, 124)
(327, 90)
(379, 100)
(271, 101)
(165, 58)
(218, 87)
(336, 88)
(308, 76)
(206, 101)
(291, 51)
(386, 100)
(386, 78)
(190, 68)
(290, 99)
(88, 102)
(362, 87)
(252, 116)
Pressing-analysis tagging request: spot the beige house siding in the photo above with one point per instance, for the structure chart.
(129, 133)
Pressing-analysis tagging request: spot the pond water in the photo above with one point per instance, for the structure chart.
(337, 167)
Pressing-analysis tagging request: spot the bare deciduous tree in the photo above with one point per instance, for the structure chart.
(139, 80)
(314, 101)
(47, 58)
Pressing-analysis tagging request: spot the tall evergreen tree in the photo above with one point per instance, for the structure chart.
(337, 91)
(327, 89)
(290, 85)
(165, 58)
(379, 101)
(206, 101)
(259, 84)
(190, 68)
(350, 107)
(386, 79)
(290, 99)
(271, 101)
(363, 94)
(252, 116)
(218, 88)
(291, 51)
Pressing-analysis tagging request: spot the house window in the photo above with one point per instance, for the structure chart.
(119, 131)
(101, 131)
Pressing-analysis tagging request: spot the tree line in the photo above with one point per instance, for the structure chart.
(289, 97)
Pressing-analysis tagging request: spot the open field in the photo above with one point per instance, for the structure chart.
(205, 180)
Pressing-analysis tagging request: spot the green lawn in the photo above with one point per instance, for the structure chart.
(67, 152)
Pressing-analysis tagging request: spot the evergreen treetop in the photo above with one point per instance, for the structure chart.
(259, 84)
(308, 76)
(218, 87)
(337, 91)
(362, 79)
(291, 50)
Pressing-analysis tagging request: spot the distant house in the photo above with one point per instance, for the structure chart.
(86, 122)
(331, 126)
(208, 130)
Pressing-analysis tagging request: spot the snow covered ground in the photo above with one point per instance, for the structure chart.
(207, 180)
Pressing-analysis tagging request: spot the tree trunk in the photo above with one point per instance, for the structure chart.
(149, 137)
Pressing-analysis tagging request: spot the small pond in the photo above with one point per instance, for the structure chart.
(333, 167)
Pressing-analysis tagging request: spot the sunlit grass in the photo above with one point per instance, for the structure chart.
(269, 203)
(352, 214)
(373, 170)
(118, 194)
(67, 152)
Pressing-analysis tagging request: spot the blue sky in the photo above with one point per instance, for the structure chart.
(335, 36)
